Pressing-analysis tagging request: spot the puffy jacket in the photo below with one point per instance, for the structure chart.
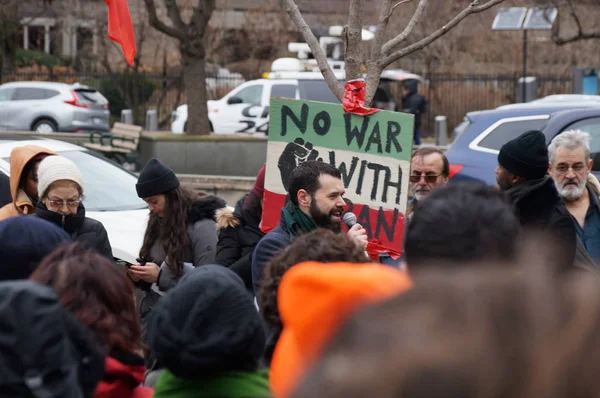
(19, 157)
(239, 234)
(81, 228)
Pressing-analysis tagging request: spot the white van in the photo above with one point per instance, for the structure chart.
(246, 108)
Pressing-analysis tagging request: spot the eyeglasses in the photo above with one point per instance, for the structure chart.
(429, 178)
(564, 168)
(60, 203)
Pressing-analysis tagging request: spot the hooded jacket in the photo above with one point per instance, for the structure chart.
(239, 234)
(314, 301)
(44, 352)
(414, 102)
(122, 379)
(19, 158)
(81, 228)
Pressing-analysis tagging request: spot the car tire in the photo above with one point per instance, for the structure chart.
(44, 126)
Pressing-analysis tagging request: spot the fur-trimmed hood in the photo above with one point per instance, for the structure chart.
(205, 208)
(226, 218)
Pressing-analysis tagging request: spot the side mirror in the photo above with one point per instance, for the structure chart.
(234, 100)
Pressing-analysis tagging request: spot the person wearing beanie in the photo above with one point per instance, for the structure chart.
(522, 173)
(314, 301)
(25, 243)
(61, 190)
(239, 231)
(24, 163)
(181, 233)
(209, 337)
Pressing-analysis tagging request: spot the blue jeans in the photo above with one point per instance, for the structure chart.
(417, 137)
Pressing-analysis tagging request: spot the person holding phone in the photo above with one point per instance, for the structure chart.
(181, 232)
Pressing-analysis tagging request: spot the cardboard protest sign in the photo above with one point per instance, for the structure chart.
(371, 152)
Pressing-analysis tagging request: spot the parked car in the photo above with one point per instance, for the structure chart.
(473, 155)
(245, 109)
(48, 107)
(110, 195)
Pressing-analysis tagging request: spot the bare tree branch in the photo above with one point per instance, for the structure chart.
(353, 40)
(474, 8)
(159, 25)
(389, 46)
(175, 15)
(580, 35)
(373, 70)
(292, 10)
(202, 15)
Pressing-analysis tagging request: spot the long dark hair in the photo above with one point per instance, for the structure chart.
(171, 231)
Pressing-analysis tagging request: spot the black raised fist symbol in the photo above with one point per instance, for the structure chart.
(295, 153)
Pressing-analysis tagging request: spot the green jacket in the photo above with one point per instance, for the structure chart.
(226, 385)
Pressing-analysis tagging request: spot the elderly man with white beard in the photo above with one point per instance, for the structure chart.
(429, 169)
(570, 167)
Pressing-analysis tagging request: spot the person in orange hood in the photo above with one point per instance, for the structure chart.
(314, 300)
(24, 162)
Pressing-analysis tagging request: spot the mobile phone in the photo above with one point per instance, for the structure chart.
(141, 261)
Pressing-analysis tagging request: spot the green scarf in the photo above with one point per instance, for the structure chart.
(225, 385)
(298, 222)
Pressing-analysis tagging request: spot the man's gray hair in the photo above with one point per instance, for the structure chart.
(570, 139)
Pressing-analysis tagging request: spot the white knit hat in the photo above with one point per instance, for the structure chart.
(57, 168)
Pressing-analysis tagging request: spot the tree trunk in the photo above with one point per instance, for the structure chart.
(194, 76)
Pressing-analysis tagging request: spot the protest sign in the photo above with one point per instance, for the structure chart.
(371, 152)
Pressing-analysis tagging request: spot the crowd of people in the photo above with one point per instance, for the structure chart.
(495, 293)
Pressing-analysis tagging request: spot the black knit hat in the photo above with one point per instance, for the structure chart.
(207, 324)
(526, 156)
(156, 178)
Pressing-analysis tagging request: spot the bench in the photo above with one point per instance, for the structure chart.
(120, 144)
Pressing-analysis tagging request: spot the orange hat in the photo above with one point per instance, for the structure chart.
(314, 300)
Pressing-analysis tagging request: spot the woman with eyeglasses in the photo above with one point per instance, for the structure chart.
(60, 189)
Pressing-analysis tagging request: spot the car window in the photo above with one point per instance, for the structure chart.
(51, 93)
(6, 94)
(592, 127)
(509, 130)
(251, 94)
(283, 90)
(316, 90)
(90, 97)
(29, 93)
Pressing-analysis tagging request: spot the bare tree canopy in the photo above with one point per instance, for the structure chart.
(575, 11)
(383, 53)
(193, 52)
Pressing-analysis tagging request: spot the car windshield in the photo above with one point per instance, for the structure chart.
(107, 187)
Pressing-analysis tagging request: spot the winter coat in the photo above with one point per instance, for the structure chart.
(269, 246)
(82, 229)
(122, 378)
(224, 385)
(414, 103)
(538, 205)
(44, 351)
(202, 236)
(239, 233)
(19, 158)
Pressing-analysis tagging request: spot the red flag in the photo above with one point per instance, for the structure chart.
(120, 27)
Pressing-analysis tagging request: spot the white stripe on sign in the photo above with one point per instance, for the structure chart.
(374, 180)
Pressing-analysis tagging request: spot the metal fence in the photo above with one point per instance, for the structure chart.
(449, 95)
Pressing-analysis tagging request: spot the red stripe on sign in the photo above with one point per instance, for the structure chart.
(387, 226)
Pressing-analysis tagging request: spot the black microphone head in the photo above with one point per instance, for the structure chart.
(350, 219)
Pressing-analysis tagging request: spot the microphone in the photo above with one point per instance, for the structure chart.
(350, 219)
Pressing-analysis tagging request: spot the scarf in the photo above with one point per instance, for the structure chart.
(298, 222)
(224, 385)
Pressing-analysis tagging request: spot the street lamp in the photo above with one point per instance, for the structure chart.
(523, 18)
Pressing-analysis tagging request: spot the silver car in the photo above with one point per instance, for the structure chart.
(47, 107)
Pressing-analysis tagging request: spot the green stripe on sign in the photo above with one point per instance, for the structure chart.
(385, 133)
